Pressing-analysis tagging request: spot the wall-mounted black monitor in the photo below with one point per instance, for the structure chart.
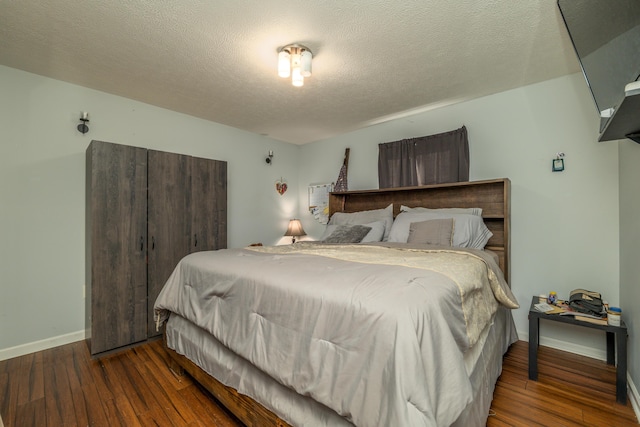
(606, 38)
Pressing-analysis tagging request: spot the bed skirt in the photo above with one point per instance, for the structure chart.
(483, 363)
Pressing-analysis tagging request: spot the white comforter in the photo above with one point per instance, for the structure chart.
(377, 334)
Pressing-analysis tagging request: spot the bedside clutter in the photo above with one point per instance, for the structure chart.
(614, 315)
(583, 305)
(562, 312)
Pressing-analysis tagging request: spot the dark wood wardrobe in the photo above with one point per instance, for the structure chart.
(145, 210)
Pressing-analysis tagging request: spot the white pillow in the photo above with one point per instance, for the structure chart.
(469, 211)
(365, 217)
(469, 231)
(374, 235)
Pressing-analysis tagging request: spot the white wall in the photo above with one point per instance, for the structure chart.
(629, 238)
(564, 225)
(42, 184)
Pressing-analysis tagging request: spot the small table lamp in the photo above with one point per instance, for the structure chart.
(295, 230)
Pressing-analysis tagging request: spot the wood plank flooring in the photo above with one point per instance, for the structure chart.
(64, 387)
(571, 390)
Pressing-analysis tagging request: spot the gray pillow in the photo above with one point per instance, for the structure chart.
(375, 235)
(365, 217)
(432, 232)
(348, 234)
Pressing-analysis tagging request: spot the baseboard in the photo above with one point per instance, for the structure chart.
(595, 353)
(633, 396)
(32, 347)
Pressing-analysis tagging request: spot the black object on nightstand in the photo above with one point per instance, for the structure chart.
(616, 342)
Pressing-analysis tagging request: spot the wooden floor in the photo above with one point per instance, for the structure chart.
(571, 390)
(64, 387)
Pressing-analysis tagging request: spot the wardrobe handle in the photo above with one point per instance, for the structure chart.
(141, 242)
(153, 242)
(195, 238)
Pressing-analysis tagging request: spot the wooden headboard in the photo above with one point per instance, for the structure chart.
(493, 196)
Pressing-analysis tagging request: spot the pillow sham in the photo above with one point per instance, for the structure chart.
(432, 232)
(366, 217)
(375, 235)
(469, 211)
(469, 231)
(348, 234)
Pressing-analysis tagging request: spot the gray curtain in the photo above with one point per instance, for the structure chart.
(433, 159)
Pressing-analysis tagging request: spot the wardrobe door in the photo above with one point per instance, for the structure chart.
(116, 215)
(208, 204)
(168, 221)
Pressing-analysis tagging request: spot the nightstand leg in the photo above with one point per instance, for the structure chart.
(611, 348)
(534, 335)
(621, 369)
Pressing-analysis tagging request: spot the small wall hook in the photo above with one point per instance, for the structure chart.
(269, 158)
(84, 118)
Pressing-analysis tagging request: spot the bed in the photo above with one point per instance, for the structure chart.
(330, 334)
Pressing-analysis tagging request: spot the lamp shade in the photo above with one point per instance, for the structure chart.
(295, 228)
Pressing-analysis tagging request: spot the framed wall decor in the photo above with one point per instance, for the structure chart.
(558, 165)
(319, 201)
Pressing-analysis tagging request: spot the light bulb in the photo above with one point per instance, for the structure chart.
(296, 77)
(284, 64)
(306, 57)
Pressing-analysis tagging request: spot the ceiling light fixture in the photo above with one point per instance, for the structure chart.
(294, 61)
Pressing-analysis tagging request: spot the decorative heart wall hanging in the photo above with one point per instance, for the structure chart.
(281, 187)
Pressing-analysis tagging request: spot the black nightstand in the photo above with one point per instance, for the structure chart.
(616, 342)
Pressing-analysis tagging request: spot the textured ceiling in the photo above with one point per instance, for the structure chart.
(217, 59)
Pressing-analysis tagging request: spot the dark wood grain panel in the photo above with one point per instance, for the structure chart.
(488, 195)
(497, 228)
(145, 211)
(169, 221)
(208, 204)
(117, 227)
